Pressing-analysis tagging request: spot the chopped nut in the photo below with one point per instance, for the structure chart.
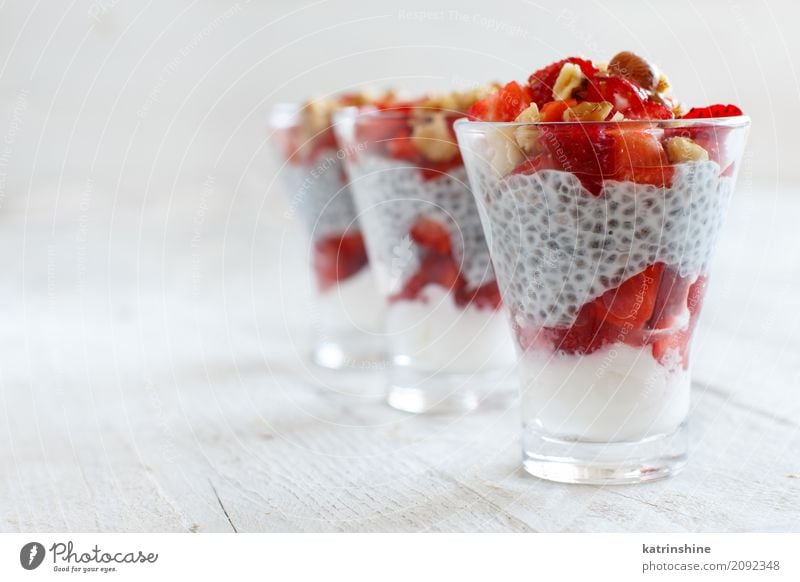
(663, 84)
(569, 79)
(317, 116)
(431, 136)
(507, 154)
(634, 68)
(527, 136)
(682, 149)
(531, 114)
(588, 111)
(617, 117)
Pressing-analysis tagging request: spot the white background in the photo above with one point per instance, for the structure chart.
(143, 97)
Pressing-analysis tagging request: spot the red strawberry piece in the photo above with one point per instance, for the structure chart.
(337, 258)
(505, 104)
(713, 111)
(585, 150)
(379, 134)
(581, 337)
(554, 110)
(672, 346)
(627, 99)
(632, 303)
(543, 161)
(402, 147)
(431, 235)
(542, 81)
(671, 311)
(696, 294)
(679, 342)
(486, 296)
(441, 270)
(639, 157)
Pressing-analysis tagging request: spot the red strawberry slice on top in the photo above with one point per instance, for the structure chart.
(585, 150)
(505, 104)
(639, 157)
(712, 111)
(542, 81)
(631, 101)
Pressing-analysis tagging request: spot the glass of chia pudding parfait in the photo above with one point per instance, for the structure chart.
(602, 199)
(347, 312)
(449, 347)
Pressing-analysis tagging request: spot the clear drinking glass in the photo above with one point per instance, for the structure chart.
(601, 235)
(450, 349)
(348, 311)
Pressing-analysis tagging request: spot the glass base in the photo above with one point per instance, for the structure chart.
(418, 391)
(619, 463)
(353, 354)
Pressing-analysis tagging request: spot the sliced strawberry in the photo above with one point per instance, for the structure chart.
(639, 157)
(379, 133)
(696, 294)
(438, 267)
(672, 347)
(505, 104)
(627, 99)
(671, 311)
(632, 303)
(581, 337)
(431, 235)
(401, 147)
(486, 296)
(678, 343)
(713, 111)
(585, 150)
(337, 258)
(541, 82)
(543, 161)
(554, 110)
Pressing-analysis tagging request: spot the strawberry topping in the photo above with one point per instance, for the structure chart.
(541, 82)
(505, 104)
(439, 267)
(713, 111)
(337, 258)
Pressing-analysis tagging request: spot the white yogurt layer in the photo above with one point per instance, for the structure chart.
(352, 304)
(618, 393)
(433, 333)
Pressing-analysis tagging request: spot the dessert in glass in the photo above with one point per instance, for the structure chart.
(602, 199)
(347, 311)
(449, 347)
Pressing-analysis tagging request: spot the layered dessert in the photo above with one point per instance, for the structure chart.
(348, 310)
(424, 236)
(603, 197)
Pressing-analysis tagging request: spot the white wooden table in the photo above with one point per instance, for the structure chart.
(151, 380)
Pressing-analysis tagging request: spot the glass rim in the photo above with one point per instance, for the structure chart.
(734, 122)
